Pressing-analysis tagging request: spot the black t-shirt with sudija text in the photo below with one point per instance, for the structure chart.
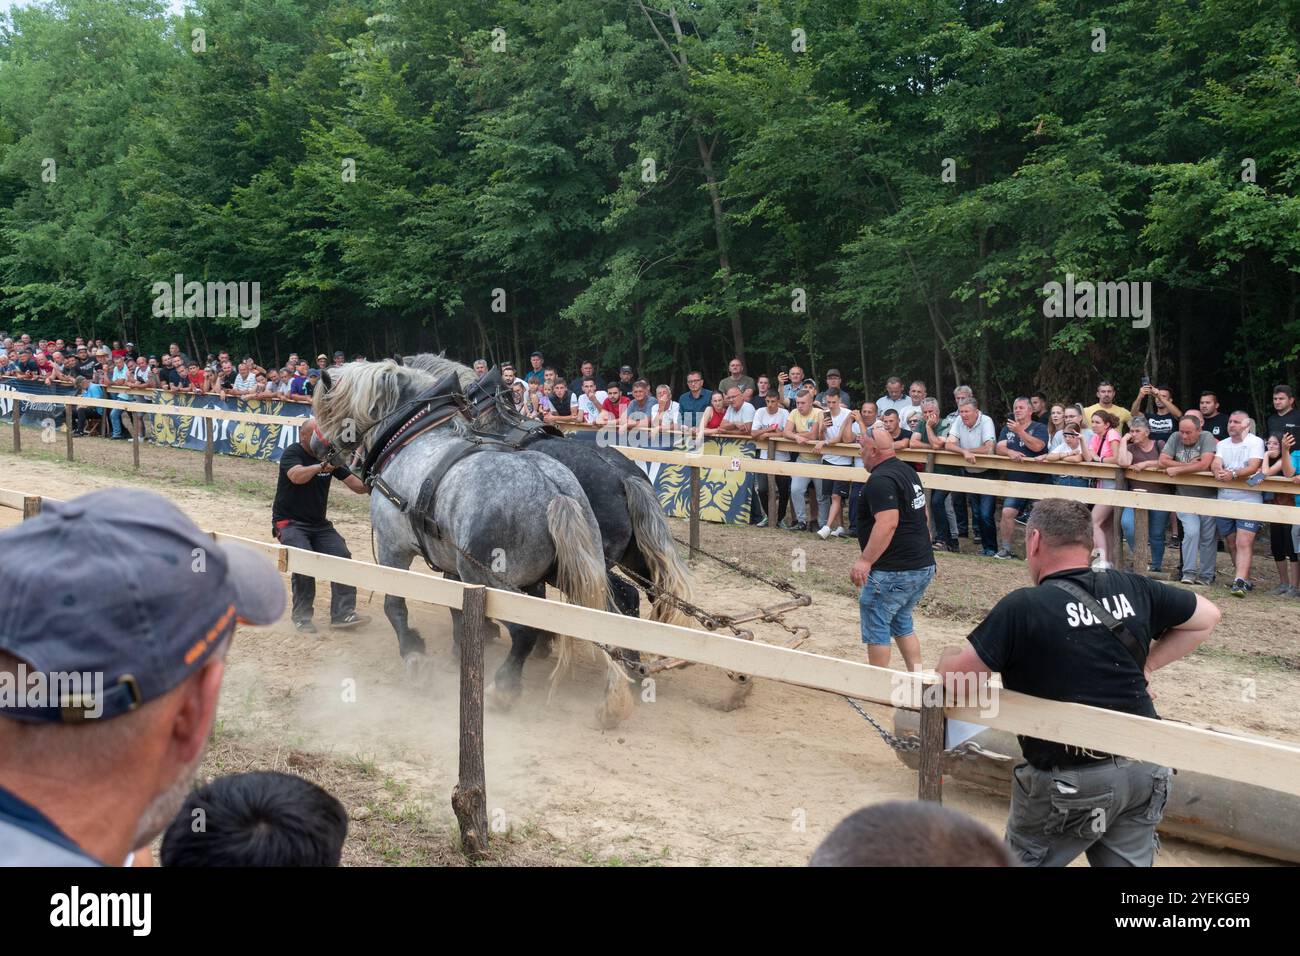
(895, 486)
(303, 503)
(1046, 644)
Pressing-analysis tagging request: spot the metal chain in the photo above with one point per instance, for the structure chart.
(967, 750)
(777, 583)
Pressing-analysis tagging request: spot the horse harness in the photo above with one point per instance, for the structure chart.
(437, 406)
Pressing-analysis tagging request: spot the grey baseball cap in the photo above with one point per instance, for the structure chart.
(121, 585)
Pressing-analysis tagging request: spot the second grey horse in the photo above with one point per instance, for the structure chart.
(514, 521)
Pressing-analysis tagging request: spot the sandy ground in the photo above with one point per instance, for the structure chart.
(681, 781)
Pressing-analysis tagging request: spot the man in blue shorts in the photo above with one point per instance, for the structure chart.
(897, 561)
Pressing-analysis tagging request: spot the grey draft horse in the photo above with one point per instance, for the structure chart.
(633, 529)
(516, 520)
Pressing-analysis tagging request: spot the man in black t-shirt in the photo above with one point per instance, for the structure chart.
(298, 521)
(1213, 421)
(1055, 641)
(897, 561)
(1286, 421)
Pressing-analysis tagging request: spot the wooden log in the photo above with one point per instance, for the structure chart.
(695, 511)
(1114, 535)
(469, 798)
(209, 451)
(31, 506)
(1141, 541)
(771, 486)
(67, 431)
(929, 784)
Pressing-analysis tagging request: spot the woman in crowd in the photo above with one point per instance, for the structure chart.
(1139, 451)
(1102, 446)
(713, 418)
(1055, 421)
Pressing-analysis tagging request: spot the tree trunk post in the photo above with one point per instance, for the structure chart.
(31, 506)
(209, 450)
(18, 429)
(1115, 536)
(135, 440)
(1141, 540)
(771, 486)
(469, 798)
(695, 510)
(934, 726)
(67, 428)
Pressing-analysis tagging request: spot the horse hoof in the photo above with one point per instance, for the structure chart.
(542, 649)
(418, 670)
(618, 703)
(502, 698)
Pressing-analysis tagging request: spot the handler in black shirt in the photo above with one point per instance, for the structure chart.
(1053, 641)
(298, 519)
(897, 561)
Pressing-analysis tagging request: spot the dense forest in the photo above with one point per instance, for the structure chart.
(881, 185)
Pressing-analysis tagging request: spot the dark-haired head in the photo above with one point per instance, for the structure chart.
(257, 819)
(916, 833)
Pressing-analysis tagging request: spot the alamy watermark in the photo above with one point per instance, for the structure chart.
(40, 690)
(1085, 300)
(208, 300)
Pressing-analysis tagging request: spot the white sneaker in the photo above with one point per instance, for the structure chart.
(825, 532)
(839, 532)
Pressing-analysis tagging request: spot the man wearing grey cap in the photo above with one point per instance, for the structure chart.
(113, 635)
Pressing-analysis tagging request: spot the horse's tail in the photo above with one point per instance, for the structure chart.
(579, 567)
(668, 572)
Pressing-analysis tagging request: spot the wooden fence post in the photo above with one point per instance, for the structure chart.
(469, 798)
(1141, 540)
(209, 450)
(695, 510)
(771, 486)
(135, 439)
(18, 429)
(934, 731)
(1115, 537)
(67, 430)
(31, 506)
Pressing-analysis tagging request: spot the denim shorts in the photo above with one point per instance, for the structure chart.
(1070, 481)
(1228, 525)
(886, 601)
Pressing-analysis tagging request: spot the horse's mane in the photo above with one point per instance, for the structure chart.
(439, 366)
(364, 393)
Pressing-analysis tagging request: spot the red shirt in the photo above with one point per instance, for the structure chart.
(715, 419)
(615, 410)
(196, 378)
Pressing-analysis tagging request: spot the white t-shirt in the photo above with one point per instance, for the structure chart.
(761, 420)
(739, 416)
(246, 383)
(1237, 455)
(901, 404)
(833, 434)
(973, 438)
(591, 411)
(662, 418)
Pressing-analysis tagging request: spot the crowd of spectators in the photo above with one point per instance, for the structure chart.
(1152, 433)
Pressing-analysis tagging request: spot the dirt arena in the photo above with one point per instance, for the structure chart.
(679, 783)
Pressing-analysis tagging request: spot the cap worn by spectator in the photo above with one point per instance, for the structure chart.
(148, 597)
(339, 354)
(626, 368)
